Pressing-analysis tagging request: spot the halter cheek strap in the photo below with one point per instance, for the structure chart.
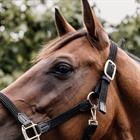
(108, 75)
(99, 92)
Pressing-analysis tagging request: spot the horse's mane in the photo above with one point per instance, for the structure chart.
(61, 41)
(58, 43)
(134, 57)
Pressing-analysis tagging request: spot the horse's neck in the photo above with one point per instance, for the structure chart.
(128, 78)
(128, 81)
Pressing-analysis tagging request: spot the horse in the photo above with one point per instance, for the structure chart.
(66, 72)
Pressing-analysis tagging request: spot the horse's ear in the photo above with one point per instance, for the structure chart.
(89, 19)
(63, 26)
(93, 25)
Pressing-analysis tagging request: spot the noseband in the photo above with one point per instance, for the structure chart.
(99, 92)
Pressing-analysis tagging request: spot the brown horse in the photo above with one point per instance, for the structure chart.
(64, 74)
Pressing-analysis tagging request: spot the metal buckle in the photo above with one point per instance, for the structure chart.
(31, 127)
(106, 67)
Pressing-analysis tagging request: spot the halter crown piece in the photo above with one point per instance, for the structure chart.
(100, 92)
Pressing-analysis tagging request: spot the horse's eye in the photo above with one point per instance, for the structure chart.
(62, 70)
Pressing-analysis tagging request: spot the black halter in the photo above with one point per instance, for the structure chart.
(99, 92)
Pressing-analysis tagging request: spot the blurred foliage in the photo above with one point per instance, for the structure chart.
(129, 29)
(26, 24)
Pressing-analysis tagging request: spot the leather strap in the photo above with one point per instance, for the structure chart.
(45, 126)
(103, 94)
(20, 117)
(113, 51)
(90, 130)
(102, 87)
(80, 108)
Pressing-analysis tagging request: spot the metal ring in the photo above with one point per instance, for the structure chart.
(89, 98)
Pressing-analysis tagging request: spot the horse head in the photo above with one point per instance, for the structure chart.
(64, 73)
